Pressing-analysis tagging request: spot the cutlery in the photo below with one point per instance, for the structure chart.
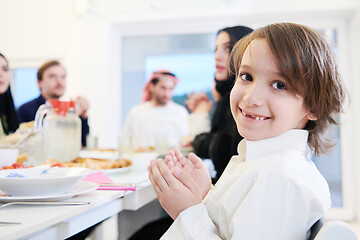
(8, 223)
(130, 184)
(114, 187)
(45, 203)
(116, 184)
(120, 184)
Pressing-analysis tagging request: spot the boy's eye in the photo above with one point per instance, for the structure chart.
(246, 77)
(279, 85)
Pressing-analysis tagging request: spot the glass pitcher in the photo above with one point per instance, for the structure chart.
(61, 130)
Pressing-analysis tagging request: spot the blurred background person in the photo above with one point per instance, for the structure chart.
(52, 84)
(8, 119)
(158, 117)
(221, 142)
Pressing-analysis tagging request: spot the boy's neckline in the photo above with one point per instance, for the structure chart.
(291, 139)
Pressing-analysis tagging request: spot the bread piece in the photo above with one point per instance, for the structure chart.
(122, 163)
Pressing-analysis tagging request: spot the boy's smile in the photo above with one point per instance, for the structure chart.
(254, 116)
(260, 101)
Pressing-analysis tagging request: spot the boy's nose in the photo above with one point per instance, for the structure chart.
(255, 95)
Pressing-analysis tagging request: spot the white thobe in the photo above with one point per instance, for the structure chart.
(150, 122)
(271, 190)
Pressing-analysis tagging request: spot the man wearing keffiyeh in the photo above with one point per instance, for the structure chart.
(158, 116)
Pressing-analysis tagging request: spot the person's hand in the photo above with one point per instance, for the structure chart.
(198, 103)
(194, 168)
(175, 189)
(191, 101)
(82, 106)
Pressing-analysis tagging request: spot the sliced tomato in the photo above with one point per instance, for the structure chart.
(17, 165)
(7, 167)
(57, 165)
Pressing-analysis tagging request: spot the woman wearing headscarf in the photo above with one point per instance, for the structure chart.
(223, 126)
(8, 119)
(221, 142)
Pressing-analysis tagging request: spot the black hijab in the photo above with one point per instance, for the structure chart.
(8, 116)
(235, 34)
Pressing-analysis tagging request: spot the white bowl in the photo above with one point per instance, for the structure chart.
(40, 181)
(8, 156)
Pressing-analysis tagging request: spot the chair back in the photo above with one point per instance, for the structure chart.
(315, 229)
(334, 230)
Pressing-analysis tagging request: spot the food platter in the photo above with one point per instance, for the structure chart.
(116, 170)
(96, 164)
(99, 154)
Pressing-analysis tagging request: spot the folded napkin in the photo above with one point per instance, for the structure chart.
(98, 177)
(106, 183)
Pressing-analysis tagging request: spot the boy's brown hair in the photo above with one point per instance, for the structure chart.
(308, 64)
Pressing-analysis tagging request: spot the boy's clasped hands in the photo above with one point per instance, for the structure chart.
(179, 183)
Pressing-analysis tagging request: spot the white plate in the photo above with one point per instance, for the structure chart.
(115, 170)
(80, 188)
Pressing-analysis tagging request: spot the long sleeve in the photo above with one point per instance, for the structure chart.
(265, 206)
(184, 228)
(271, 190)
(199, 123)
(26, 113)
(128, 125)
(221, 142)
(184, 116)
(201, 144)
(274, 208)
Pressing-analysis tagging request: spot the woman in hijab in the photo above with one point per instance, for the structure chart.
(8, 118)
(221, 142)
(223, 136)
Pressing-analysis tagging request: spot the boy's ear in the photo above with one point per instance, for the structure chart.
(312, 117)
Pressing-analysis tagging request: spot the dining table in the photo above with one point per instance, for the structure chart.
(62, 221)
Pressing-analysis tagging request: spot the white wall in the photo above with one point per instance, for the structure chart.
(32, 32)
(86, 37)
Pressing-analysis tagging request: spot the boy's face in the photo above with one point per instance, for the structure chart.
(260, 102)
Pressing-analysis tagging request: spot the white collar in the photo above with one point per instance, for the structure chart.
(291, 139)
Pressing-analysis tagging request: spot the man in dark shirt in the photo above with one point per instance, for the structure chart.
(52, 83)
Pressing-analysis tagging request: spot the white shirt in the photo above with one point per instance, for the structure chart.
(272, 190)
(199, 123)
(149, 122)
